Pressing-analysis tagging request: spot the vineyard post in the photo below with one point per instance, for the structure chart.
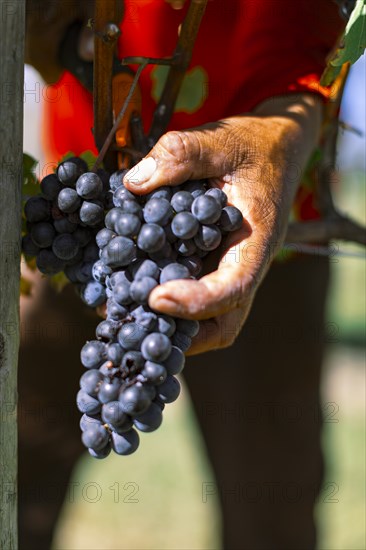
(12, 29)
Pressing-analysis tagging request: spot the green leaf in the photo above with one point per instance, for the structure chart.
(352, 45)
(88, 156)
(30, 183)
(59, 281)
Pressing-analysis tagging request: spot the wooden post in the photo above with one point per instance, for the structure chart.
(12, 30)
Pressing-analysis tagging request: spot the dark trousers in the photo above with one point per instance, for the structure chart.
(257, 404)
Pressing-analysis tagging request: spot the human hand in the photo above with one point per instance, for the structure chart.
(252, 159)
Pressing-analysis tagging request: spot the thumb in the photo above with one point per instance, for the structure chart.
(180, 156)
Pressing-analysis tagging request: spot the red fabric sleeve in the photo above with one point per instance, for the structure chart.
(246, 51)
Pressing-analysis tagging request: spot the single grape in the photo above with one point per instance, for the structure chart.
(87, 421)
(147, 319)
(188, 327)
(140, 290)
(126, 443)
(95, 437)
(156, 347)
(218, 194)
(116, 179)
(50, 187)
(206, 209)
(89, 185)
(90, 381)
(102, 453)
(93, 354)
(195, 188)
(185, 225)
(48, 263)
(231, 219)
(64, 225)
(131, 336)
(115, 311)
(91, 213)
(108, 391)
(174, 271)
(111, 219)
(118, 277)
(147, 268)
(119, 252)
(166, 325)
(65, 246)
(28, 246)
(68, 200)
(135, 399)
(107, 330)
(114, 353)
(42, 234)
(185, 247)
(93, 294)
(151, 237)
(120, 195)
(121, 293)
(132, 361)
(104, 236)
(154, 373)
(113, 413)
(37, 209)
(127, 225)
(87, 404)
(163, 192)
(174, 364)
(181, 340)
(150, 420)
(100, 271)
(193, 263)
(169, 390)
(130, 206)
(158, 210)
(84, 272)
(182, 201)
(208, 237)
(70, 170)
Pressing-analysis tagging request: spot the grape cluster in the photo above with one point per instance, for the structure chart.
(62, 222)
(133, 362)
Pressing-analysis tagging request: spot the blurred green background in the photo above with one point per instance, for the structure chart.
(153, 499)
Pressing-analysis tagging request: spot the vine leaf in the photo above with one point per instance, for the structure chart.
(30, 185)
(352, 44)
(88, 156)
(58, 281)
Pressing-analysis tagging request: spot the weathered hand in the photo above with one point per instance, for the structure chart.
(257, 160)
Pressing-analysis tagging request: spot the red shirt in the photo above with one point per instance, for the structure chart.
(245, 52)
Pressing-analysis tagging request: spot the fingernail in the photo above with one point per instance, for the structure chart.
(142, 171)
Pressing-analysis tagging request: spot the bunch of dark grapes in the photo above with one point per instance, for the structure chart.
(62, 222)
(133, 362)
